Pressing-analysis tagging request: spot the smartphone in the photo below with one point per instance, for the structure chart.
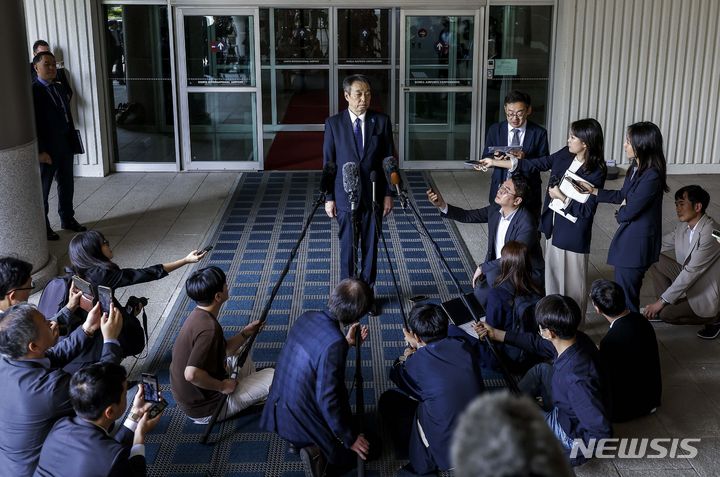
(578, 185)
(105, 297)
(84, 287)
(157, 408)
(206, 249)
(151, 387)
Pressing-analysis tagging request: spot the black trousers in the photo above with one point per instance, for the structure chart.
(366, 242)
(61, 170)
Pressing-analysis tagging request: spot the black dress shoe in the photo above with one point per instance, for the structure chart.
(74, 225)
(374, 309)
(51, 235)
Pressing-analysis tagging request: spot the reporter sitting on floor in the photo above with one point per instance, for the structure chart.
(35, 388)
(82, 446)
(16, 285)
(628, 353)
(571, 387)
(91, 257)
(437, 376)
(501, 435)
(511, 305)
(202, 359)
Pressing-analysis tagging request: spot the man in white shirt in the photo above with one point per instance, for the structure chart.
(511, 221)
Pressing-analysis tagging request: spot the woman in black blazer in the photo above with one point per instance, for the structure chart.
(509, 304)
(567, 223)
(637, 241)
(91, 259)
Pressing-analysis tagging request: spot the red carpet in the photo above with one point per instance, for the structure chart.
(300, 150)
(295, 151)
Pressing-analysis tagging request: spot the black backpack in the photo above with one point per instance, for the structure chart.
(55, 296)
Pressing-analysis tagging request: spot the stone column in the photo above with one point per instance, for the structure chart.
(22, 216)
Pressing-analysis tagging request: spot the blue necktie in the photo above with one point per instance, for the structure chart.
(514, 141)
(357, 131)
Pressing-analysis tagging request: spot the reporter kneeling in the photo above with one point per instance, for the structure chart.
(571, 387)
(437, 376)
(81, 446)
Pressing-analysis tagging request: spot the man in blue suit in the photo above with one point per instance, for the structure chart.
(510, 222)
(55, 132)
(364, 137)
(530, 139)
(81, 446)
(438, 375)
(35, 387)
(308, 402)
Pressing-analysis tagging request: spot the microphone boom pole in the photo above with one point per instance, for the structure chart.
(247, 346)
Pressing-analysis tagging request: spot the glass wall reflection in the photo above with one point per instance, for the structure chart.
(363, 36)
(139, 77)
(219, 50)
(222, 126)
(519, 42)
(438, 126)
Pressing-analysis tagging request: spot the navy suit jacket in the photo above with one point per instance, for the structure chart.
(34, 397)
(629, 355)
(308, 400)
(444, 377)
(523, 228)
(577, 385)
(535, 144)
(638, 239)
(53, 131)
(566, 235)
(78, 448)
(339, 147)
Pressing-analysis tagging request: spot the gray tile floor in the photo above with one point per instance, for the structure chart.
(158, 217)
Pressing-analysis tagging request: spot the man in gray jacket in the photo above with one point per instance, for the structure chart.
(687, 276)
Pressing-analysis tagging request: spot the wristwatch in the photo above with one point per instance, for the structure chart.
(134, 416)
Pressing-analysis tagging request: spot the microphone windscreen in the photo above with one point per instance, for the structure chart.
(373, 176)
(395, 178)
(390, 165)
(351, 180)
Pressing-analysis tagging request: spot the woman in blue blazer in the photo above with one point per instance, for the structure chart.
(567, 225)
(637, 241)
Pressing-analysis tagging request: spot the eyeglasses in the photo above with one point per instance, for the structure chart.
(105, 242)
(505, 190)
(31, 287)
(515, 114)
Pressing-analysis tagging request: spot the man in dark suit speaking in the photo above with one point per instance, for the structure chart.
(364, 137)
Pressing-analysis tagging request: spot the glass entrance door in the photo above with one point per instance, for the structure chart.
(219, 88)
(439, 87)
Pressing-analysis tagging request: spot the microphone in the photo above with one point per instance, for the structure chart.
(327, 181)
(351, 183)
(373, 180)
(396, 180)
(390, 165)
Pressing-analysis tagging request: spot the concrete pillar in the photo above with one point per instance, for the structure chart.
(22, 217)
